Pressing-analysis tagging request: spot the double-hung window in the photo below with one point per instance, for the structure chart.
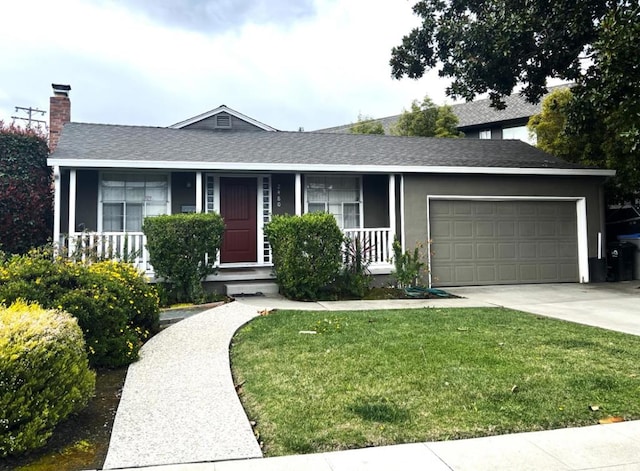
(128, 198)
(337, 195)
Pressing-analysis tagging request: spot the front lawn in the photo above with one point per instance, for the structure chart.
(386, 377)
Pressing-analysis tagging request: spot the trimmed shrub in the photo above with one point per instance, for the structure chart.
(44, 374)
(115, 307)
(183, 249)
(306, 253)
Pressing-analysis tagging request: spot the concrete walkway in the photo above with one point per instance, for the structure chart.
(179, 404)
(179, 410)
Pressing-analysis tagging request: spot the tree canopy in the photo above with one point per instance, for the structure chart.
(428, 120)
(550, 124)
(26, 199)
(366, 125)
(491, 46)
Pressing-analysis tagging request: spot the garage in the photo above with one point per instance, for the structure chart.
(485, 241)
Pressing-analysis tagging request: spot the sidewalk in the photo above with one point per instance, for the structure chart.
(613, 447)
(179, 406)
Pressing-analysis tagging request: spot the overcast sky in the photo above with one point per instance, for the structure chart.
(287, 63)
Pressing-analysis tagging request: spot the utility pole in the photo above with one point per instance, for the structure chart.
(30, 119)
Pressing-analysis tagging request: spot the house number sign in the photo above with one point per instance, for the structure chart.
(278, 198)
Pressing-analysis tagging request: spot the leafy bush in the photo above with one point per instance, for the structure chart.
(183, 249)
(115, 307)
(409, 266)
(44, 374)
(26, 199)
(306, 253)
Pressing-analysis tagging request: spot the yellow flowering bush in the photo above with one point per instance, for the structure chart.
(115, 306)
(44, 374)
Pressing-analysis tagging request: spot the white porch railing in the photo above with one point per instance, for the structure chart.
(376, 244)
(127, 247)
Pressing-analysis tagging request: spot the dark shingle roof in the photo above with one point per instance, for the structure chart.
(473, 113)
(99, 142)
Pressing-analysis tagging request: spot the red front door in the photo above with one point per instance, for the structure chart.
(238, 208)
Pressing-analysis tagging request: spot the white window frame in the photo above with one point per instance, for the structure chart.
(484, 134)
(100, 195)
(360, 198)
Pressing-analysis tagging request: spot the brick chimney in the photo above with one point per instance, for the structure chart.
(59, 113)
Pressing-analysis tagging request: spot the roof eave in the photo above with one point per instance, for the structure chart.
(346, 168)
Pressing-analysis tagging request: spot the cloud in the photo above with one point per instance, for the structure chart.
(215, 16)
(314, 65)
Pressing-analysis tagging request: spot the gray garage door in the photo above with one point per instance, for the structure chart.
(503, 242)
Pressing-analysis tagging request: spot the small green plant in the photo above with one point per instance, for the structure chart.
(409, 266)
(306, 253)
(183, 249)
(355, 278)
(44, 374)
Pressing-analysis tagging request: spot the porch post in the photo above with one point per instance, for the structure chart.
(402, 213)
(392, 210)
(298, 194)
(198, 192)
(72, 210)
(57, 187)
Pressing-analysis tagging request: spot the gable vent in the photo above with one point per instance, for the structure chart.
(223, 121)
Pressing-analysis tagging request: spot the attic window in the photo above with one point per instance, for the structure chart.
(223, 121)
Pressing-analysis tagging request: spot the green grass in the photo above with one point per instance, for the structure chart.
(386, 377)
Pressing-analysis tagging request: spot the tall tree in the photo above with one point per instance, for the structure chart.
(428, 120)
(604, 119)
(492, 45)
(26, 209)
(366, 125)
(420, 120)
(447, 123)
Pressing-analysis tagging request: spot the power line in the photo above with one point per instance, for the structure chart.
(30, 119)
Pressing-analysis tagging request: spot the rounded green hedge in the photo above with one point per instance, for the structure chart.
(44, 374)
(307, 253)
(116, 308)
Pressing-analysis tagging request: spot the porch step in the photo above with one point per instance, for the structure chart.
(248, 288)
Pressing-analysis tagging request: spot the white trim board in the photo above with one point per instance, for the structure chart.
(581, 223)
(218, 110)
(287, 167)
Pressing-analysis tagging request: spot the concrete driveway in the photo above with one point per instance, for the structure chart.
(613, 306)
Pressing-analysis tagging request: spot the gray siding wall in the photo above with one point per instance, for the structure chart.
(183, 190)
(87, 183)
(236, 124)
(283, 193)
(375, 200)
(417, 187)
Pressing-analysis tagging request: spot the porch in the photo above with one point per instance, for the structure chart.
(103, 210)
(131, 247)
